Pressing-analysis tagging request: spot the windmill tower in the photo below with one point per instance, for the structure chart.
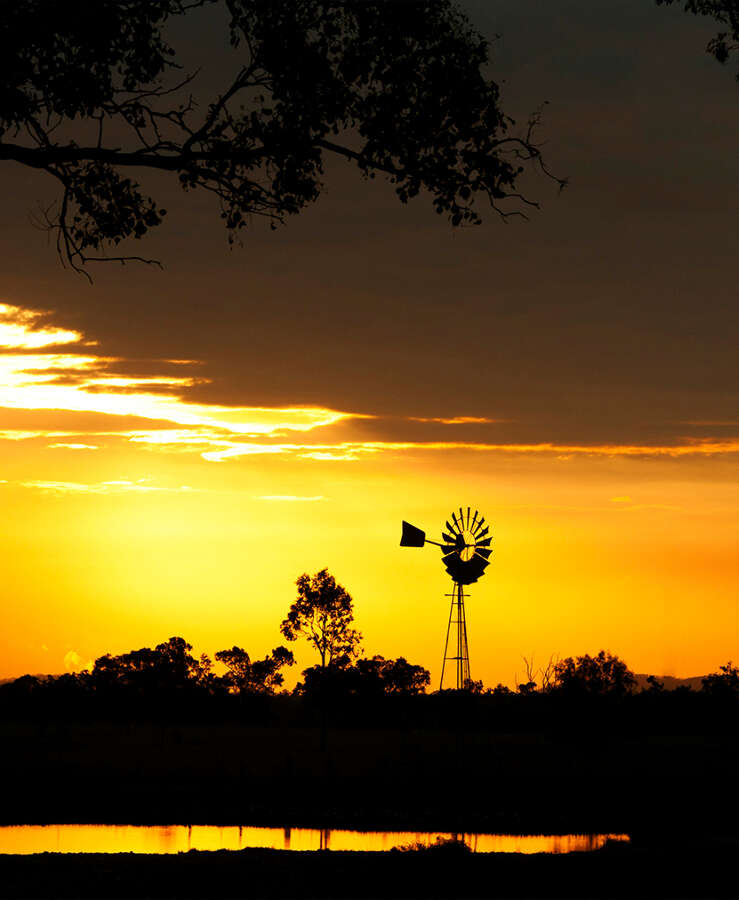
(465, 552)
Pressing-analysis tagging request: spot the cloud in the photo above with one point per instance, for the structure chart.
(458, 420)
(626, 504)
(19, 435)
(354, 450)
(21, 329)
(82, 382)
(102, 487)
(289, 498)
(121, 397)
(73, 662)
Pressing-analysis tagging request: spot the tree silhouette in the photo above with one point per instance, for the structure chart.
(724, 683)
(726, 13)
(259, 677)
(323, 613)
(392, 676)
(398, 89)
(168, 667)
(604, 674)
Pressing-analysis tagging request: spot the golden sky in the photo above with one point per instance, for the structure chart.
(137, 513)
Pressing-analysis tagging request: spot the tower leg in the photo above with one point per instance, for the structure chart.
(446, 645)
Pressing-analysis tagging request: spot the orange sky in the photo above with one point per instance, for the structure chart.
(138, 514)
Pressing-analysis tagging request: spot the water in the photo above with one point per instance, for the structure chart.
(24, 839)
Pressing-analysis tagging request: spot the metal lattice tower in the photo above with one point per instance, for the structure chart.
(461, 659)
(465, 552)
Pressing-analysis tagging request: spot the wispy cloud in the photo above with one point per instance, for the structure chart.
(457, 420)
(289, 498)
(102, 487)
(20, 435)
(73, 447)
(349, 451)
(22, 328)
(73, 662)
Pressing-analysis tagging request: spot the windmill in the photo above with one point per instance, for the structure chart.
(465, 552)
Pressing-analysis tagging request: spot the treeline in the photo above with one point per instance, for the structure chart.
(169, 683)
(585, 694)
(168, 680)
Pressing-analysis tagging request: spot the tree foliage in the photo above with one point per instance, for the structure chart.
(396, 676)
(168, 667)
(604, 674)
(91, 90)
(724, 683)
(261, 676)
(367, 679)
(323, 613)
(726, 13)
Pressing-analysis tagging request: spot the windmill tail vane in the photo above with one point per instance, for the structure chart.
(465, 552)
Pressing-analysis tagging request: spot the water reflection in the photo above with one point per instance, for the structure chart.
(24, 839)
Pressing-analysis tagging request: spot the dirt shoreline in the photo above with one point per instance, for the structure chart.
(614, 871)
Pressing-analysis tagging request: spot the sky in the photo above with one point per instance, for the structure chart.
(177, 446)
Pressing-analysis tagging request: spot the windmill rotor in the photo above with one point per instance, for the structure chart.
(464, 552)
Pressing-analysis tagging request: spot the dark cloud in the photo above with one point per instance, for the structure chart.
(610, 317)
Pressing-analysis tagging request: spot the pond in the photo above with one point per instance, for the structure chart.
(24, 839)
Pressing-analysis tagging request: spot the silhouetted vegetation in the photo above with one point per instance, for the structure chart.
(323, 613)
(601, 675)
(169, 683)
(726, 13)
(400, 90)
(259, 677)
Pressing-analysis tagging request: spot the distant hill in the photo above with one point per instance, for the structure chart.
(670, 683)
(8, 680)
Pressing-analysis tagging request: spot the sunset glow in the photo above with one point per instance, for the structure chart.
(158, 540)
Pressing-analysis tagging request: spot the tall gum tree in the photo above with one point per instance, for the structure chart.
(323, 613)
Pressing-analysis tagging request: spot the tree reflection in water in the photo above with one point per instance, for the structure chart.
(25, 839)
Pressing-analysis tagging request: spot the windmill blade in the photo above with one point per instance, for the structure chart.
(482, 533)
(480, 523)
(461, 518)
(485, 543)
(457, 525)
(450, 528)
(447, 538)
(483, 553)
(464, 571)
(479, 564)
(468, 518)
(455, 567)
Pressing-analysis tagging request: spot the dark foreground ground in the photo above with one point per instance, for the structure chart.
(676, 795)
(613, 872)
(372, 779)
